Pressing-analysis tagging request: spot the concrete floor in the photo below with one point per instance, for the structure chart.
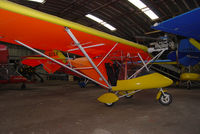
(58, 107)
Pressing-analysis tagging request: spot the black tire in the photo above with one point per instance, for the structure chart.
(129, 96)
(165, 100)
(23, 86)
(109, 104)
(189, 84)
(82, 84)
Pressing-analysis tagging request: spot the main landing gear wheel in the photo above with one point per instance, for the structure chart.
(109, 104)
(165, 99)
(189, 84)
(82, 84)
(129, 96)
(23, 86)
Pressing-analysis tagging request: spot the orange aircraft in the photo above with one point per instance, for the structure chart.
(103, 56)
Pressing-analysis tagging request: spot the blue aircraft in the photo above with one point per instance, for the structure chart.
(187, 25)
(188, 54)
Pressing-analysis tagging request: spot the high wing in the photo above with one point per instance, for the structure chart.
(186, 24)
(47, 32)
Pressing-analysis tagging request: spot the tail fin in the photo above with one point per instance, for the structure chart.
(48, 65)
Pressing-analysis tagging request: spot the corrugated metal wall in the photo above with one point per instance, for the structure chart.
(16, 52)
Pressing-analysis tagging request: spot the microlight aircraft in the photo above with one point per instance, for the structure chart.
(188, 53)
(102, 54)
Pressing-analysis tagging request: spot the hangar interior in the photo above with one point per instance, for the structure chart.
(37, 100)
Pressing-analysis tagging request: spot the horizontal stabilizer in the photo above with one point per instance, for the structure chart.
(188, 61)
(48, 65)
(31, 62)
(188, 52)
(186, 46)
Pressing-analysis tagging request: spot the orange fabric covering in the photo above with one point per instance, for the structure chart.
(48, 36)
(48, 65)
(83, 62)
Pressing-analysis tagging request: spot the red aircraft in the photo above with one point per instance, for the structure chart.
(6, 77)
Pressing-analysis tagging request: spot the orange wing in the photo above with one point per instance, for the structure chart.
(44, 35)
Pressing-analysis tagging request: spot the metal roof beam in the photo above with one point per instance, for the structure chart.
(196, 4)
(186, 5)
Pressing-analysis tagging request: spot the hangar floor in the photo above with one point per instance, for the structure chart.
(58, 107)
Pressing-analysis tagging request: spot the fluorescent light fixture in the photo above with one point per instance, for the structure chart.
(100, 21)
(139, 4)
(94, 18)
(39, 1)
(109, 27)
(150, 13)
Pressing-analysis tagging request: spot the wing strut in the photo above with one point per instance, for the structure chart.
(107, 54)
(145, 64)
(86, 55)
(102, 59)
(40, 53)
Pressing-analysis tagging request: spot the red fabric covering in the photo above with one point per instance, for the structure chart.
(17, 79)
(14, 79)
(3, 54)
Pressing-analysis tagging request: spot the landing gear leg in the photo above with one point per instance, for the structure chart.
(189, 84)
(23, 86)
